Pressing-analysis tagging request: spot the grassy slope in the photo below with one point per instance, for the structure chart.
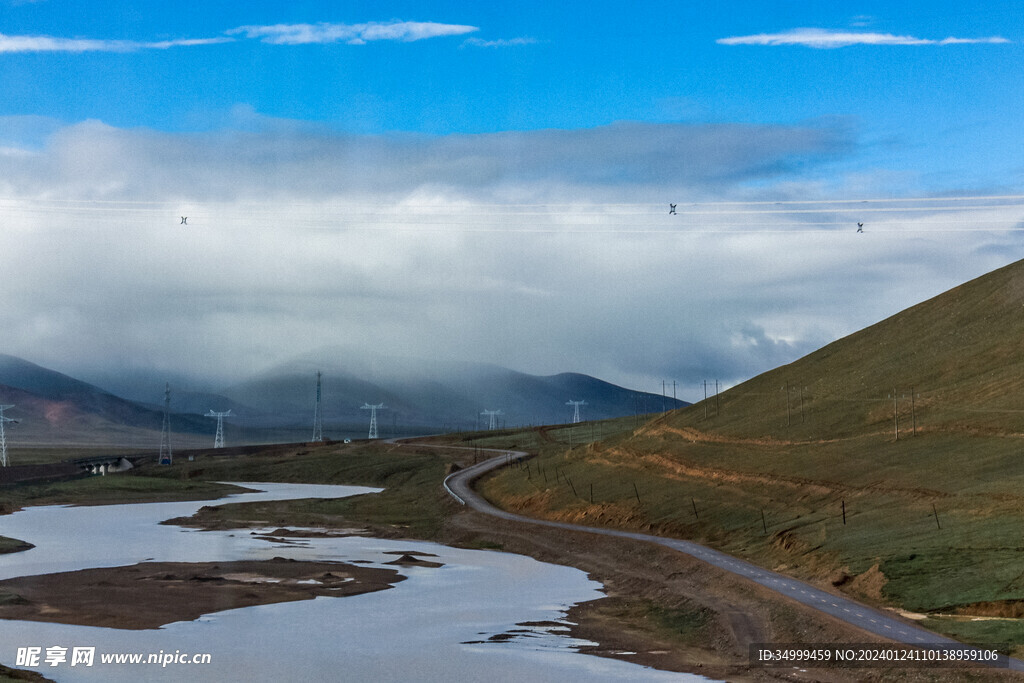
(834, 444)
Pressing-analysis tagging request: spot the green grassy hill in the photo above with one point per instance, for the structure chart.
(961, 352)
(802, 468)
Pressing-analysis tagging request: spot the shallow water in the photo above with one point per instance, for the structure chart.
(423, 629)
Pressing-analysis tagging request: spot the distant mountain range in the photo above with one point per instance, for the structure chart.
(433, 394)
(55, 409)
(419, 397)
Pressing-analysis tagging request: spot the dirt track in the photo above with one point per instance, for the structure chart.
(745, 611)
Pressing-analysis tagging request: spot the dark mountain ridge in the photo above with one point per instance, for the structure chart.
(419, 396)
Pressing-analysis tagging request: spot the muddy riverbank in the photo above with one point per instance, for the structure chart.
(152, 594)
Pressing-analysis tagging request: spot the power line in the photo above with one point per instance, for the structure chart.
(925, 214)
(398, 208)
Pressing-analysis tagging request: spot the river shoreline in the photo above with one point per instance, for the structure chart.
(449, 599)
(661, 609)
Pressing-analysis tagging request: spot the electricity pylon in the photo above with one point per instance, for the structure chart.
(492, 414)
(3, 438)
(166, 456)
(218, 440)
(373, 417)
(576, 414)
(318, 414)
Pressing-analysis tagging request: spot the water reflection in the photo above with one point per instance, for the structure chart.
(427, 628)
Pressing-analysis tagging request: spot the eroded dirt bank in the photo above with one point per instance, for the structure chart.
(673, 612)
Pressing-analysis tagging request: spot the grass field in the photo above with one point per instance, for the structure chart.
(135, 487)
(889, 464)
(412, 503)
(939, 544)
(39, 455)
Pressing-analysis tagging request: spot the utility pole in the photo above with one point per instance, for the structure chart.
(576, 405)
(913, 411)
(3, 438)
(218, 439)
(896, 413)
(705, 399)
(492, 414)
(318, 414)
(166, 457)
(373, 417)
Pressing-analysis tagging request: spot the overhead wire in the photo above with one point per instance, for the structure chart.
(863, 200)
(889, 214)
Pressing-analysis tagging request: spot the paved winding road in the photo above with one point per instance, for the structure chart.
(459, 485)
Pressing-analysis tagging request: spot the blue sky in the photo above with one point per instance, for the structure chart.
(942, 111)
(649, 61)
(202, 106)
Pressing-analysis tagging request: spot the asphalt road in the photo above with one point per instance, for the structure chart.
(459, 485)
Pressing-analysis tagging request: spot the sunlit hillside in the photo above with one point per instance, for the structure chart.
(889, 464)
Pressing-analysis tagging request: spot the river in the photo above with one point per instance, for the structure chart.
(432, 627)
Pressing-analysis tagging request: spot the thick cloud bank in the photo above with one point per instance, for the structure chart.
(543, 251)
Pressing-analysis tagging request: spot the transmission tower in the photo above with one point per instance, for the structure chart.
(492, 414)
(373, 417)
(218, 440)
(318, 414)
(165, 432)
(576, 413)
(3, 439)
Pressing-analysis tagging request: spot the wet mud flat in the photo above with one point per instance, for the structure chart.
(151, 594)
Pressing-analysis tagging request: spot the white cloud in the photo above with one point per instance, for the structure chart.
(829, 38)
(353, 34)
(277, 158)
(279, 34)
(545, 251)
(502, 42)
(993, 40)
(13, 44)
